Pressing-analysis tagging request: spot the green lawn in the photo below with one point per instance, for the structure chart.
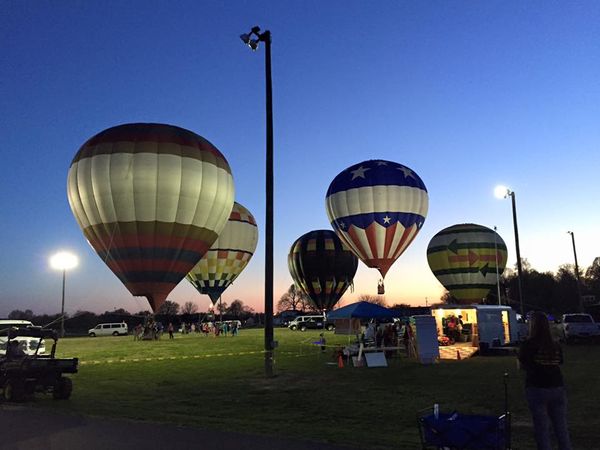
(219, 383)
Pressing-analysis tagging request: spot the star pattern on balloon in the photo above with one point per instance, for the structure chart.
(406, 171)
(359, 173)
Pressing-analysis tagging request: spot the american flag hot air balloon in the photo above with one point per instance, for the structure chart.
(377, 208)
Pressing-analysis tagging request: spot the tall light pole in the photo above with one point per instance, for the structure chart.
(497, 270)
(577, 272)
(503, 192)
(252, 39)
(63, 261)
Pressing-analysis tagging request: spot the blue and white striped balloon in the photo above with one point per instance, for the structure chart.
(377, 208)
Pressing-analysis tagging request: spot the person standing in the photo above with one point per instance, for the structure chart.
(170, 330)
(540, 357)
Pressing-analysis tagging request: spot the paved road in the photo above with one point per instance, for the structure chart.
(27, 428)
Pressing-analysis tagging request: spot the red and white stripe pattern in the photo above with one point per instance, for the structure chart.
(379, 246)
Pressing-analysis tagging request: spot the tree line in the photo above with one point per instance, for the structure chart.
(80, 322)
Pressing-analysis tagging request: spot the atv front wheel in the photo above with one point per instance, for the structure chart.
(63, 388)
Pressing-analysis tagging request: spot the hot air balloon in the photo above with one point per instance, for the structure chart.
(228, 256)
(150, 199)
(467, 259)
(377, 208)
(322, 266)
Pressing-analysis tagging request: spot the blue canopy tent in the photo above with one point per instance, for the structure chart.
(347, 319)
(361, 310)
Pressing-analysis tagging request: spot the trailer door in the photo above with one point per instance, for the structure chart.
(491, 329)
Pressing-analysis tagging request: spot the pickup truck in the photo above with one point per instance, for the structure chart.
(578, 326)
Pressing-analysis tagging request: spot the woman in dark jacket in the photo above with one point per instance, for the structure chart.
(540, 356)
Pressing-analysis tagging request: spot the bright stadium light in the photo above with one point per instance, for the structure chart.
(63, 261)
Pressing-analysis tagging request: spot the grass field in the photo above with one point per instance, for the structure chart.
(219, 383)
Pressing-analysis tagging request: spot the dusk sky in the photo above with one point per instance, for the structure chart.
(468, 94)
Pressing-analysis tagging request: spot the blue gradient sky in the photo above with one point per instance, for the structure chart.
(467, 94)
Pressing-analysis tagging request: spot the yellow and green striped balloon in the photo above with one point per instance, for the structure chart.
(467, 259)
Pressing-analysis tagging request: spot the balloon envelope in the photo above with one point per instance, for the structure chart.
(228, 256)
(377, 208)
(150, 199)
(467, 259)
(322, 266)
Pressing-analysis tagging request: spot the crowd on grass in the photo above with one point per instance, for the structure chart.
(153, 330)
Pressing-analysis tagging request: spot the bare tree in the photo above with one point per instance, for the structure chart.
(294, 299)
(189, 308)
(375, 299)
(169, 308)
(238, 309)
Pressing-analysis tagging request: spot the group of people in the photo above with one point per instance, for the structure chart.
(382, 336)
(453, 327)
(153, 330)
(150, 330)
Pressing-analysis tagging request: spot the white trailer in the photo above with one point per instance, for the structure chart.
(483, 325)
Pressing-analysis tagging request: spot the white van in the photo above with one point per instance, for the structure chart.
(28, 344)
(109, 329)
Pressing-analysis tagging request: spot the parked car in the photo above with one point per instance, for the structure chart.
(29, 344)
(108, 329)
(578, 326)
(315, 322)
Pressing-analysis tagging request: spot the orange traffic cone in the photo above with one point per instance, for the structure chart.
(458, 355)
(340, 361)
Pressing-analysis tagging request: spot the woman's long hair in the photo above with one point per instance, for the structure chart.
(539, 331)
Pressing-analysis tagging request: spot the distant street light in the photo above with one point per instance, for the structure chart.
(577, 272)
(252, 39)
(63, 261)
(503, 192)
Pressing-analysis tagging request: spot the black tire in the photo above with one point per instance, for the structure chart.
(116, 333)
(293, 328)
(92, 334)
(303, 328)
(62, 388)
(330, 327)
(14, 391)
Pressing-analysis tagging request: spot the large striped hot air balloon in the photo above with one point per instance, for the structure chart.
(228, 256)
(377, 208)
(150, 199)
(322, 266)
(467, 259)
